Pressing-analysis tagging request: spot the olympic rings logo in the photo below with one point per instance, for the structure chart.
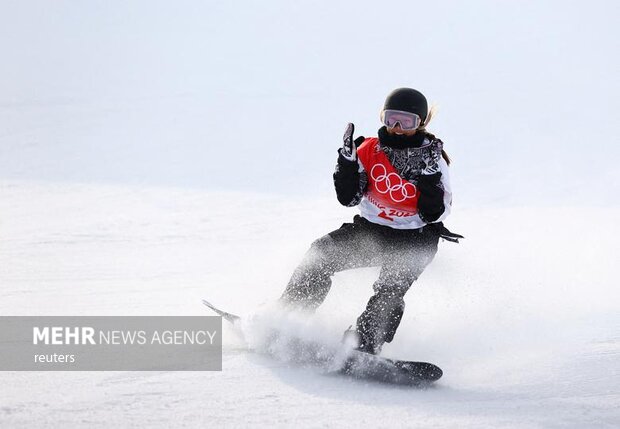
(398, 189)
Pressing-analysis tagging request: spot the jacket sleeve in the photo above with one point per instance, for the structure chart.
(435, 194)
(350, 181)
(447, 190)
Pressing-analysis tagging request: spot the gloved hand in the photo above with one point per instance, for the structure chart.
(349, 151)
(349, 147)
(430, 202)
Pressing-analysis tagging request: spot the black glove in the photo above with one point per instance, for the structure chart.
(430, 202)
(349, 147)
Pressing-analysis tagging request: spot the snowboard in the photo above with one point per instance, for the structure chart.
(360, 365)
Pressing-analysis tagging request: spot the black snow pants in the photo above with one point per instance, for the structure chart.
(402, 255)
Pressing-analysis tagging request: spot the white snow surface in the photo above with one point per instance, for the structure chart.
(154, 153)
(524, 321)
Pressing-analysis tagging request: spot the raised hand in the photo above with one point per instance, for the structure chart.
(349, 150)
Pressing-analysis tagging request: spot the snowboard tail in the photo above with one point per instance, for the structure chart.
(229, 317)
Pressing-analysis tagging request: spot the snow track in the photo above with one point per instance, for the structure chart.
(525, 325)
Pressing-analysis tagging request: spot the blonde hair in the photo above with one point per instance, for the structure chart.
(429, 117)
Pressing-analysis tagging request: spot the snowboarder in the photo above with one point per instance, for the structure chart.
(400, 182)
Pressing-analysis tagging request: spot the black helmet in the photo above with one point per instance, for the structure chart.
(407, 100)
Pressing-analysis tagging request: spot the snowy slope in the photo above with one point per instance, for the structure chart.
(525, 326)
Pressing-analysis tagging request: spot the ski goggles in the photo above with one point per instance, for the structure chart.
(407, 121)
